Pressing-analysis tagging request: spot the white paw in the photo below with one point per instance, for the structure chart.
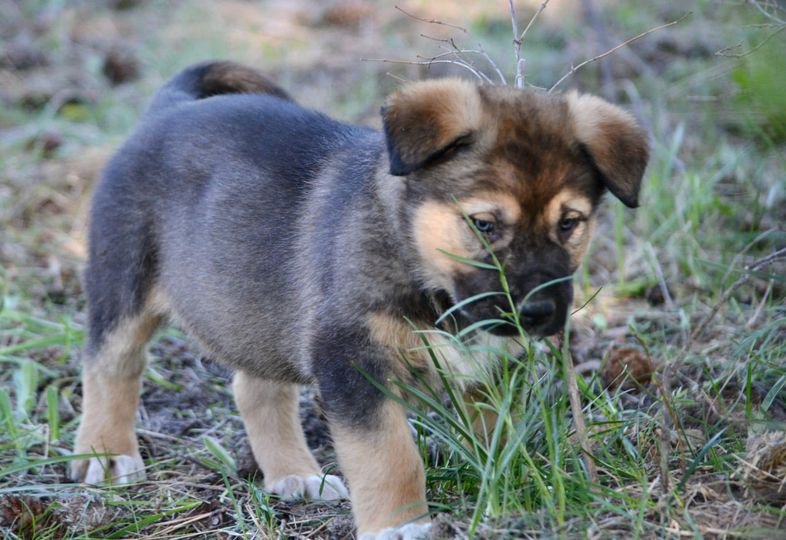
(411, 531)
(120, 469)
(313, 487)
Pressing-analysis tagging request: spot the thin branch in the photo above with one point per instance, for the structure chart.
(493, 64)
(459, 53)
(461, 61)
(399, 79)
(574, 69)
(667, 421)
(726, 51)
(768, 14)
(532, 21)
(518, 39)
(575, 406)
(431, 21)
(427, 63)
(764, 261)
(664, 288)
(519, 80)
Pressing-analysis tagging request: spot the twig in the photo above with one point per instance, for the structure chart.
(532, 21)
(459, 55)
(518, 39)
(431, 21)
(726, 50)
(768, 14)
(764, 261)
(575, 405)
(574, 69)
(664, 288)
(399, 79)
(179, 523)
(738, 257)
(757, 313)
(493, 64)
(459, 52)
(466, 66)
(664, 443)
(519, 81)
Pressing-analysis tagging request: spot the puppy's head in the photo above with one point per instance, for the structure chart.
(515, 171)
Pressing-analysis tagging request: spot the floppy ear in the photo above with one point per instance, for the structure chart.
(614, 141)
(425, 120)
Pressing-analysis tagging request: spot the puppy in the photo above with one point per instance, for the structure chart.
(298, 249)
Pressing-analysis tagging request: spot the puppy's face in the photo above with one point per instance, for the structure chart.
(510, 178)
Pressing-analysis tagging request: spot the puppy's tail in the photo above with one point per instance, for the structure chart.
(211, 79)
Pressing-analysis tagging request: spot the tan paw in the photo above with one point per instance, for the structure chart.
(313, 487)
(411, 531)
(119, 469)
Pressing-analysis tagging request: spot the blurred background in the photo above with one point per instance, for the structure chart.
(75, 75)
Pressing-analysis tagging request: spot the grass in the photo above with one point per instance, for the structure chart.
(712, 203)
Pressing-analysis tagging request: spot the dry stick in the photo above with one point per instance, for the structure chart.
(459, 52)
(574, 69)
(667, 421)
(518, 42)
(764, 261)
(493, 64)
(760, 308)
(431, 21)
(726, 51)
(519, 81)
(769, 14)
(575, 406)
(518, 39)
(427, 63)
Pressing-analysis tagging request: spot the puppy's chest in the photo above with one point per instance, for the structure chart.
(472, 359)
(422, 351)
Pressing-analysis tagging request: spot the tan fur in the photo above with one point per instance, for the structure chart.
(270, 415)
(384, 470)
(438, 228)
(111, 382)
(400, 339)
(123, 353)
(486, 201)
(108, 414)
(468, 363)
(422, 118)
(441, 229)
(482, 416)
(571, 204)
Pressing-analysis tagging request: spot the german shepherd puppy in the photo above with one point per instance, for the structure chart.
(299, 249)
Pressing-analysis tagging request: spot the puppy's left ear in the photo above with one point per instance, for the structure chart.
(615, 142)
(424, 121)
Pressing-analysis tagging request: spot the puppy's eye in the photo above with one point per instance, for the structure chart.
(568, 224)
(484, 226)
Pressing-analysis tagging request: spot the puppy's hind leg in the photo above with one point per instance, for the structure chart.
(111, 381)
(270, 414)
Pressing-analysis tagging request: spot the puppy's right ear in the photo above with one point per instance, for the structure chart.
(424, 120)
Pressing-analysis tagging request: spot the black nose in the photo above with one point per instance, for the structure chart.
(534, 314)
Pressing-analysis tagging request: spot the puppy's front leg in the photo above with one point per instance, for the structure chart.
(386, 480)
